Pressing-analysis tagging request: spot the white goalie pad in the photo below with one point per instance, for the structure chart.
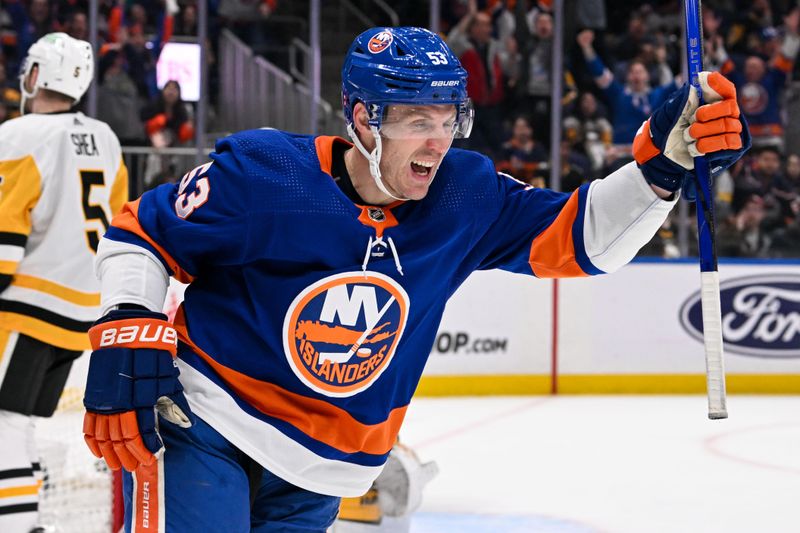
(398, 491)
(402, 480)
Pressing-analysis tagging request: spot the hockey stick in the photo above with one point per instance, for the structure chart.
(709, 275)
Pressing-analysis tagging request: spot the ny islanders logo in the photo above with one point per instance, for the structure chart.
(753, 98)
(380, 42)
(340, 334)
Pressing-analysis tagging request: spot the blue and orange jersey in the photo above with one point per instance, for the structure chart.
(308, 319)
(760, 101)
(628, 108)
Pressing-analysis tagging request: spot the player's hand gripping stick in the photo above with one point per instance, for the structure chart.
(682, 129)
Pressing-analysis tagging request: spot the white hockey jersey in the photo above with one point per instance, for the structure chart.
(62, 179)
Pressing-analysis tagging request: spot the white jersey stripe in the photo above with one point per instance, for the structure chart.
(11, 253)
(269, 447)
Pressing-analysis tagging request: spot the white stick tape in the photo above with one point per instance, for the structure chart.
(712, 336)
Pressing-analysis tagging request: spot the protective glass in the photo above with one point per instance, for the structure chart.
(427, 122)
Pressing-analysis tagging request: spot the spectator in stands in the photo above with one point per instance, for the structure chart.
(786, 188)
(714, 42)
(9, 94)
(535, 84)
(137, 16)
(77, 26)
(748, 25)
(766, 172)
(151, 18)
(187, 21)
(521, 155)
(588, 129)
(664, 243)
(575, 168)
(246, 18)
(654, 55)
(742, 235)
(118, 101)
(4, 115)
(141, 62)
(30, 24)
(628, 46)
(786, 240)
(724, 190)
(40, 17)
(759, 86)
(631, 103)
(487, 65)
(167, 119)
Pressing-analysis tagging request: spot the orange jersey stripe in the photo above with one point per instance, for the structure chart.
(318, 419)
(553, 252)
(128, 220)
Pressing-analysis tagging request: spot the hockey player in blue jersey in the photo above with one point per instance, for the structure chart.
(318, 273)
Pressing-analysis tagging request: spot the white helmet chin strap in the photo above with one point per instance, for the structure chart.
(25, 95)
(374, 158)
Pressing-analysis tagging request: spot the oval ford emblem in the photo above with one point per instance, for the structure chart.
(760, 315)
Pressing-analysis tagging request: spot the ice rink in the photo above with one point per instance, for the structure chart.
(611, 464)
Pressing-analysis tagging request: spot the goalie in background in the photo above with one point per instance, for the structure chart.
(393, 497)
(61, 180)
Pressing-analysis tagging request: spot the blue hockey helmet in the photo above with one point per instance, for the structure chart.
(402, 66)
(406, 66)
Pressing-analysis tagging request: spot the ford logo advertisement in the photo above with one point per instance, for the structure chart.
(760, 315)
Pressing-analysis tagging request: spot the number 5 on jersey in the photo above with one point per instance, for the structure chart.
(92, 211)
(186, 203)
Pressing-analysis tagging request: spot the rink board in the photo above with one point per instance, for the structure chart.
(636, 331)
(628, 332)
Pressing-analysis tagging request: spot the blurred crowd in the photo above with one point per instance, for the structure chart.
(141, 109)
(132, 35)
(621, 61)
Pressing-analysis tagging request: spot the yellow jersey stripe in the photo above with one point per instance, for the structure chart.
(85, 299)
(26, 490)
(20, 190)
(8, 267)
(45, 332)
(119, 189)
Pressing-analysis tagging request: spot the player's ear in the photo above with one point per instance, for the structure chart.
(361, 125)
(30, 82)
(360, 118)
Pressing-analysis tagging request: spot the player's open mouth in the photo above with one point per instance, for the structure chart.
(422, 168)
